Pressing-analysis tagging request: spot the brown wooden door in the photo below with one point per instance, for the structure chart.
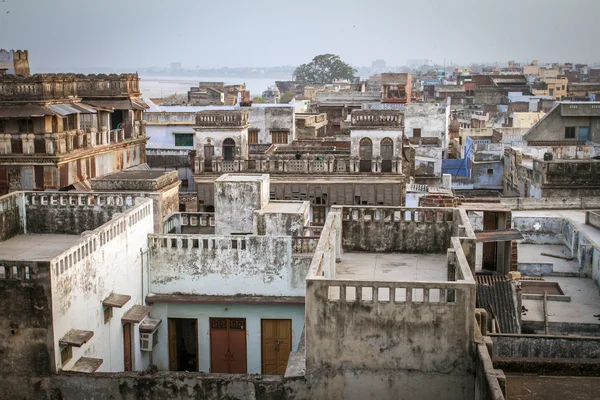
(276, 345)
(172, 345)
(228, 345)
(127, 359)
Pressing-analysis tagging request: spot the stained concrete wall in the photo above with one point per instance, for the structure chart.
(25, 329)
(252, 313)
(272, 118)
(389, 229)
(432, 118)
(540, 230)
(11, 216)
(282, 224)
(223, 265)
(106, 260)
(375, 135)
(236, 198)
(506, 345)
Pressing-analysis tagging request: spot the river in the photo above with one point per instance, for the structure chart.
(160, 86)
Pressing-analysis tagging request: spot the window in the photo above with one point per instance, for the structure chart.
(1, 126)
(490, 171)
(417, 132)
(551, 92)
(25, 126)
(563, 87)
(2, 272)
(279, 137)
(66, 354)
(253, 136)
(570, 132)
(184, 183)
(184, 139)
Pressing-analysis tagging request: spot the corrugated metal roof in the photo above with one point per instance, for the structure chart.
(85, 108)
(25, 111)
(64, 109)
(498, 299)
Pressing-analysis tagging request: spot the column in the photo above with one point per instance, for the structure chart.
(28, 146)
(104, 136)
(50, 144)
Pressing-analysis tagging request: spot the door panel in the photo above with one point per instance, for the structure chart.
(219, 346)
(237, 346)
(276, 345)
(127, 359)
(172, 345)
(228, 345)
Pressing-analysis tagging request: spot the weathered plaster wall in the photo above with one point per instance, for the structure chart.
(389, 229)
(272, 118)
(215, 137)
(376, 135)
(73, 216)
(432, 118)
(11, 220)
(104, 261)
(236, 199)
(435, 153)
(25, 329)
(282, 224)
(540, 230)
(545, 346)
(487, 175)
(253, 313)
(222, 265)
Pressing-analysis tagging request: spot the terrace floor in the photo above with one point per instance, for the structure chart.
(35, 247)
(392, 267)
(532, 253)
(584, 304)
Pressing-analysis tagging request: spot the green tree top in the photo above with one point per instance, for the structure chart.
(324, 68)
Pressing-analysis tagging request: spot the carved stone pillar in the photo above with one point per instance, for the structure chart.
(28, 146)
(143, 131)
(50, 145)
(69, 140)
(330, 163)
(92, 136)
(5, 144)
(136, 129)
(376, 164)
(198, 165)
(104, 136)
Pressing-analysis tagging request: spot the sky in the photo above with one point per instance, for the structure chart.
(126, 34)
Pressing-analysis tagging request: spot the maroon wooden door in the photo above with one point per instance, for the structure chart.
(228, 345)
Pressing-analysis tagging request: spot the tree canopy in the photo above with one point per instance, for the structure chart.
(324, 68)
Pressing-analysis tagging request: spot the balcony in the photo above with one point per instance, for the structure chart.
(222, 119)
(366, 119)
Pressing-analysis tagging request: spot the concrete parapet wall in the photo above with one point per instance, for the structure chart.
(509, 345)
(391, 229)
(551, 203)
(223, 265)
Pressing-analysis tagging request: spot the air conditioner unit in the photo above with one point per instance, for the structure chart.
(148, 341)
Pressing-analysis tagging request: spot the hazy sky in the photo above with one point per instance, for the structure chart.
(237, 33)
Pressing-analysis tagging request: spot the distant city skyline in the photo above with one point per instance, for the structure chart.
(116, 34)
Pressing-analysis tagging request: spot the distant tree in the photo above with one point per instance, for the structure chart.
(258, 99)
(324, 68)
(287, 97)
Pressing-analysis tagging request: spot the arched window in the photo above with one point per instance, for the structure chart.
(387, 153)
(365, 153)
(387, 148)
(228, 149)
